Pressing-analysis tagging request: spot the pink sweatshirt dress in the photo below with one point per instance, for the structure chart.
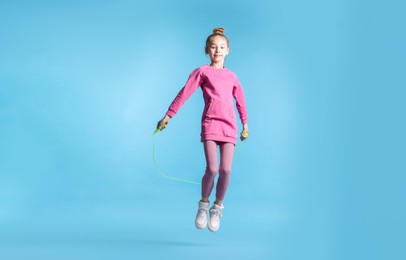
(219, 87)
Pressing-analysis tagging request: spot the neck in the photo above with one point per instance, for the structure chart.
(217, 65)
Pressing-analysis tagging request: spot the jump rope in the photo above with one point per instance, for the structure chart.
(160, 172)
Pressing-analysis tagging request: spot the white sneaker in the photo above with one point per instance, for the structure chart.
(201, 216)
(215, 215)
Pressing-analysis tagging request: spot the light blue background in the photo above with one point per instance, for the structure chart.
(83, 83)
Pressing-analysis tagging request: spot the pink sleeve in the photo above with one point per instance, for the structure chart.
(238, 94)
(194, 81)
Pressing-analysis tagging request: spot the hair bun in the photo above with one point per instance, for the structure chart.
(218, 30)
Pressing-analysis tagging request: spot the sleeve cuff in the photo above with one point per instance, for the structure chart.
(170, 113)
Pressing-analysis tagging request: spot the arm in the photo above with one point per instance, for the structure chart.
(239, 97)
(194, 81)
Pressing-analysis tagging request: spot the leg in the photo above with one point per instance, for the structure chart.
(210, 151)
(226, 159)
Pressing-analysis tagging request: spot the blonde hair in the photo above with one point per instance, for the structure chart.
(216, 32)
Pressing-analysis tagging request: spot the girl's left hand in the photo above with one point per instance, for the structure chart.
(244, 135)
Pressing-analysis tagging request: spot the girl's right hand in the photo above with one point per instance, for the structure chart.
(163, 122)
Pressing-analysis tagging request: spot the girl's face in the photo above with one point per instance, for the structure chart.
(218, 49)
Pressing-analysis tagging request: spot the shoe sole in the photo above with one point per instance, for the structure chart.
(200, 227)
(212, 229)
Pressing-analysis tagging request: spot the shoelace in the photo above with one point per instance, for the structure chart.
(214, 213)
(202, 211)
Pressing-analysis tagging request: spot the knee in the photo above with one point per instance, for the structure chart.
(225, 171)
(212, 169)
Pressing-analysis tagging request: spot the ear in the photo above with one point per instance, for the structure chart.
(228, 51)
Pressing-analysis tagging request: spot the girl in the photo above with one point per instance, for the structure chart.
(219, 86)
